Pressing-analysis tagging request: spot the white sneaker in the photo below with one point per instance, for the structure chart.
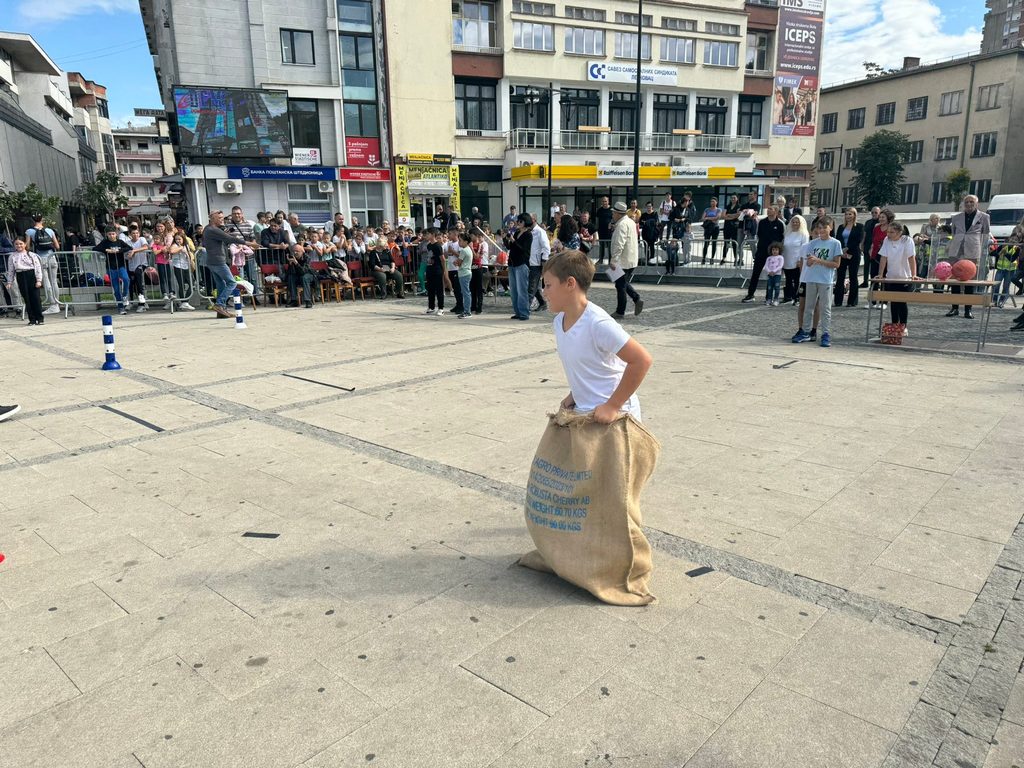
(430, 312)
(53, 309)
(534, 305)
(142, 308)
(249, 287)
(439, 312)
(186, 306)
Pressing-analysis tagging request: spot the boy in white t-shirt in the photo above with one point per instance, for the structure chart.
(604, 366)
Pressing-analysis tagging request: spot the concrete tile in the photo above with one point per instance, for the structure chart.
(57, 616)
(899, 482)
(34, 581)
(1008, 747)
(122, 646)
(864, 669)
(612, 720)
(763, 607)
(867, 513)
(23, 546)
(686, 512)
(283, 723)
(928, 597)
(826, 554)
(990, 522)
(28, 514)
(776, 727)
(414, 650)
(1014, 710)
(462, 723)
(708, 661)
(571, 642)
(513, 594)
(30, 682)
(95, 729)
(947, 558)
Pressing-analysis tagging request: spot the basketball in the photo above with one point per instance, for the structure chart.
(943, 270)
(964, 270)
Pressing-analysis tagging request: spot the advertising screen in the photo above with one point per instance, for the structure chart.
(232, 122)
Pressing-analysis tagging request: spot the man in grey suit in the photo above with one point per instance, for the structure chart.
(970, 241)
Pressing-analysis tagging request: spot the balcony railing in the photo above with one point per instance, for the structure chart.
(471, 48)
(534, 138)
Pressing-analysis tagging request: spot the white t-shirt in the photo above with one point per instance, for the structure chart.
(140, 259)
(792, 249)
(897, 256)
(589, 355)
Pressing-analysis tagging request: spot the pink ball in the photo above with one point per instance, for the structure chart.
(943, 270)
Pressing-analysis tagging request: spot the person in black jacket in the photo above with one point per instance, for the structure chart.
(519, 244)
(869, 231)
(769, 230)
(851, 235)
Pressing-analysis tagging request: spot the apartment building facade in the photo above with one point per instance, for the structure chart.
(92, 118)
(140, 164)
(1003, 27)
(473, 118)
(318, 62)
(957, 114)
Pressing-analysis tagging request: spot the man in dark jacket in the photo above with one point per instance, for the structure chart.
(869, 236)
(769, 230)
(216, 242)
(520, 245)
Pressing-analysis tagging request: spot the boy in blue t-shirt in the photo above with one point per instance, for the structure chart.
(821, 258)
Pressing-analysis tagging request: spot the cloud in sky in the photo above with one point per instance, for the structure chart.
(884, 31)
(59, 10)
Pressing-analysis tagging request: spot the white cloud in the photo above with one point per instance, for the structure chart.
(884, 32)
(59, 10)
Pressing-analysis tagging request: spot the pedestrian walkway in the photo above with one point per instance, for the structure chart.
(295, 547)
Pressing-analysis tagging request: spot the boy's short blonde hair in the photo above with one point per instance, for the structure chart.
(574, 264)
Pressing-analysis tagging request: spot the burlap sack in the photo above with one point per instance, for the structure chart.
(583, 505)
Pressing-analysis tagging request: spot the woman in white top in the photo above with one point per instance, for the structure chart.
(792, 247)
(897, 260)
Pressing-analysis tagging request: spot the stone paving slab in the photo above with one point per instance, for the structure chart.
(850, 562)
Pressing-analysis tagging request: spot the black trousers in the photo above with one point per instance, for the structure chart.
(27, 286)
(760, 259)
(435, 290)
(476, 289)
(867, 262)
(957, 290)
(536, 284)
(624, 289)
(848, 268)
(898, 309)
(791, 286)
(730, 241)
(453, 277)
(710, 240)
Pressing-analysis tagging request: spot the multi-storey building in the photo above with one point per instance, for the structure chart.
(140, 164)
(957, 114)
(1003, 27)
(322, 59)
(477, 96)
(92, 118)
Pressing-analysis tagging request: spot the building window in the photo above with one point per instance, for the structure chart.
(950, 103)
(127, 168)
(826, 160)
(751, 117)
(525, 117)
(361, 120)
(710, 116)
(947, 148)
(102, 108)
(759, 51)
(475, 25)
(143, 146)
(306, 199)
(359, 76)
(669, 112)
(304, 121)
(633, 19)
(679, 25)
(145, 168)
(886, 114)
(622, 114)
(584, 14)
(108, 152)
(366, 203)
(355, 15)
(940, 193)
(719, 54)
(855, 119)
(830, 122)
(625, 46)
(850, 197)
(988, 97)
(533, 9)
(476, 106)
(915, 152)
(825, 198)
(580, 106)
(982, 188)
(917, 109)
(533, 37)
(297, 47)
(589, 42)
(679, 50)
(984, 144)
(131, 191)
(851, 158)
(717, 28)
(122, 145)
(908, 194)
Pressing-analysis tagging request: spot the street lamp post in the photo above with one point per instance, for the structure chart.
(636, 102)
(532, 98)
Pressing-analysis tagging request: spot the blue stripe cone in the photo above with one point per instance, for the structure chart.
(239, 320)
(111, 363)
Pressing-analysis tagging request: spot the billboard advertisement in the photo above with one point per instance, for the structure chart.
(232, 122)
(797, 64)
(362, 151)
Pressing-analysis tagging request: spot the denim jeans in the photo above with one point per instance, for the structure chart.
(518, 281)
(1004, 279)
(464, 281)
(119, 282)
(224, 282)
(772, 291)
(252, 272)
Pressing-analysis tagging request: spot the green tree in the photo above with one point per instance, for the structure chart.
(15, 206)
(103, 196)
(880, 167)
(8, 208)
(957, 184)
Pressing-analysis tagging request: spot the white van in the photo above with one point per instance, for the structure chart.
(1005, 212)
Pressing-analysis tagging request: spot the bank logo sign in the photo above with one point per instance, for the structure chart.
(603, 72)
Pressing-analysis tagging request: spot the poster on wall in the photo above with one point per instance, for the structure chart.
(798, 60)
(362, 151)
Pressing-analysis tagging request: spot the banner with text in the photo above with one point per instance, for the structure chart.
(795, 92)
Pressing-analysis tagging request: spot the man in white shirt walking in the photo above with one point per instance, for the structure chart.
(539, 253)
(625, 256)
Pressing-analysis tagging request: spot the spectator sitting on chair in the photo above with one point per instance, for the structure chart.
(300, 271)
(274, 239)
(382, 264)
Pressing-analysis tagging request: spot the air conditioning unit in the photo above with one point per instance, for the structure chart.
(677, 160)
(525, 164)
(591, 162)
(722, 103)
(325, 186)
(229, 187)
(618, 162)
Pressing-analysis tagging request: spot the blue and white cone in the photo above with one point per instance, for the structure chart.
(239, 320)
(111, 363)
